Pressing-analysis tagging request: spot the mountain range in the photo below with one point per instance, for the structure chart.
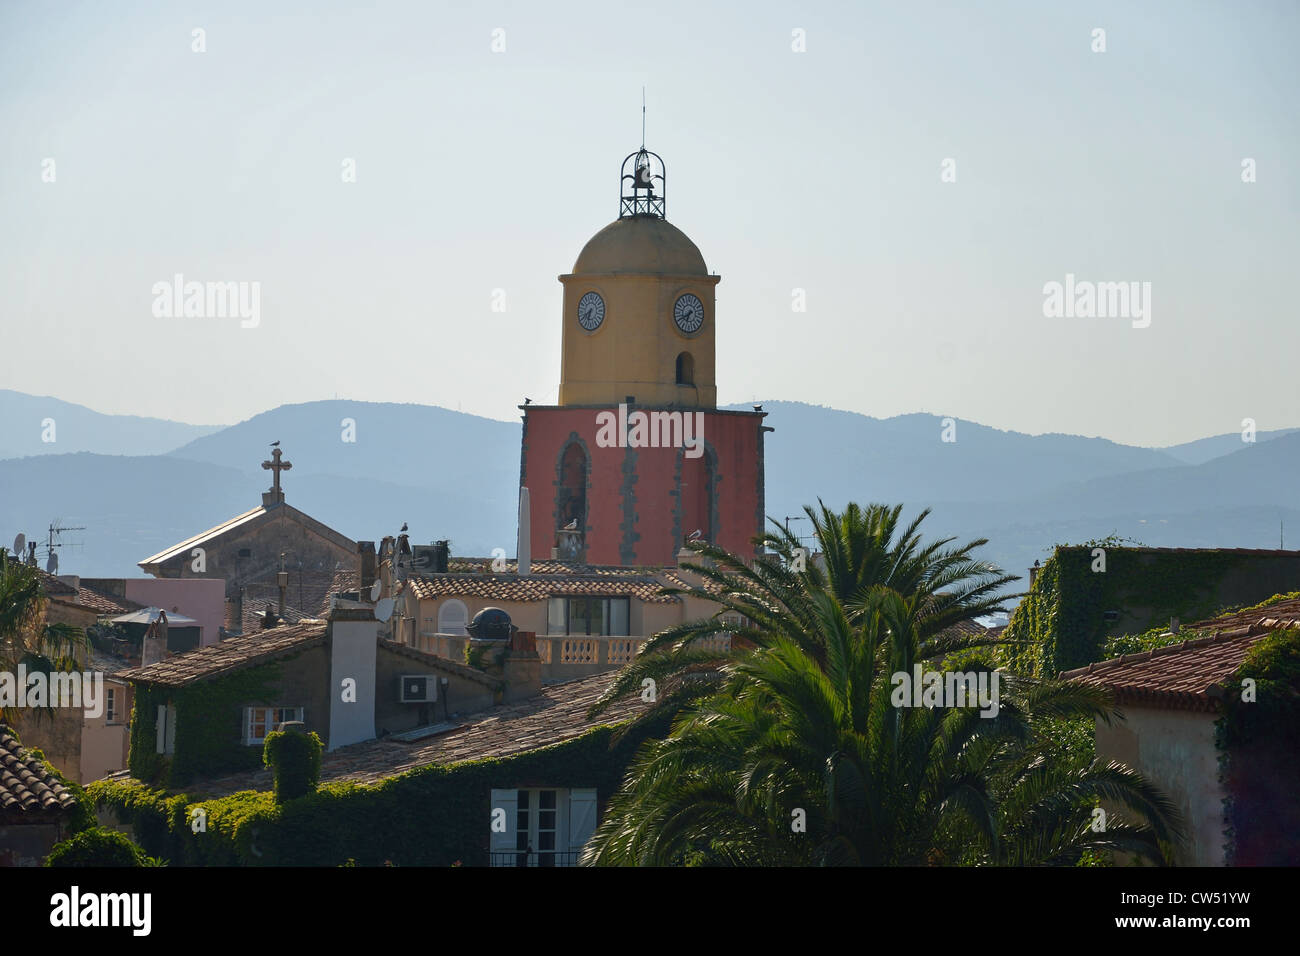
(138, 485)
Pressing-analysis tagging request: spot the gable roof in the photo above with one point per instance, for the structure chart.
(245, 522)
(232, 654)
(25, 783)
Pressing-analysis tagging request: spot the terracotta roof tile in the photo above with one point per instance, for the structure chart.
(1186, 676)
(232, 654)
(25, 784)
(1282, 610)
(555, 715)
(87, 597)
(540, 586)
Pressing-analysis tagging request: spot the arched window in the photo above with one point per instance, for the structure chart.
(685, 369)
(695, 494)
(452, 617)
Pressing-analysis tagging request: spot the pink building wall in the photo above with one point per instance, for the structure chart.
(203, 599)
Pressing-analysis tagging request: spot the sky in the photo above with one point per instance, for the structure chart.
(807, 148)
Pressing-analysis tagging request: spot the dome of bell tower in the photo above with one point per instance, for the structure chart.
(640, 245)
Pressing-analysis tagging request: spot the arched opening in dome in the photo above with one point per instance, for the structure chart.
(685, 369)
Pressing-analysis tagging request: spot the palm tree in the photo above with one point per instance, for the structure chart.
(773, 597)
(25, 636)
(803, 758)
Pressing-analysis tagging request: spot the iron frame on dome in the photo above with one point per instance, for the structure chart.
(637, 204)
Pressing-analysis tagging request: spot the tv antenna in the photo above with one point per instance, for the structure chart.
(52, 543)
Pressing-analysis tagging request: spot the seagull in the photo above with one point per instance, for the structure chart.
(403, 527)
(275, 444)
(572, 525)
(695, 535)
(528, 401)
(758, 408)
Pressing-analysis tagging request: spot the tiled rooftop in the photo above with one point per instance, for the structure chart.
(540, 585)
(1190, 675)
(232, 654)
(24, 783)
(557, 714)
(87, 597)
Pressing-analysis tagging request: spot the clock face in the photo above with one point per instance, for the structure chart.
(591, 311)
(688, 313)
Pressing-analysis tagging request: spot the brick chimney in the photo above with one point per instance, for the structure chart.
(522, 667)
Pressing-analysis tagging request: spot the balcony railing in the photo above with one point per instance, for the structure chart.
(535, 858)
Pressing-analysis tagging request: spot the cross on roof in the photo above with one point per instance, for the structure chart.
(275, 466)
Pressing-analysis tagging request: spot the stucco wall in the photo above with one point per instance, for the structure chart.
(203, 599)
(633, 512)
(1175, 751)
(460, 695)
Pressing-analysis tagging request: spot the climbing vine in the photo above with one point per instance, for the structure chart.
(1258, 736)
(1063, 622)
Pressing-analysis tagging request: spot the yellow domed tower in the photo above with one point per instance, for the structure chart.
(637, 459)
(639, 306)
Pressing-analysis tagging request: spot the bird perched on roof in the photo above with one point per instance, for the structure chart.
(528, 401)
(758, 408)
(275, 444)
(572, 525)
(696, 534)
(403, 527)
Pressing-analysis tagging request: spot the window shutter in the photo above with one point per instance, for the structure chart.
(582, 817)
(161, 726)
(507, 800)
(169, 745)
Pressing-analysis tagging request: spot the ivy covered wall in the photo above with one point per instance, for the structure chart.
(1063, 622)
(1258, 738)
(432, 816)
(209, 726)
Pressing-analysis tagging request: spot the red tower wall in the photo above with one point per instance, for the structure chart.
(641, 502)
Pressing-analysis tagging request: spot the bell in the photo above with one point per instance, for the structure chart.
(643, 179)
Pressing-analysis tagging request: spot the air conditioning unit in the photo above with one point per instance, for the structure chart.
(419, 688)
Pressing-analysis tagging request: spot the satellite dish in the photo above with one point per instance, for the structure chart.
(20, 543)
(52, 564)
(375, 589)
(384, 609)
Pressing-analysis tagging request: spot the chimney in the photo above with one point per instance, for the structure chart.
(155, 641)
(353, 638)
(366, 574)
(523, 549)
(522, 667)
(441, 556)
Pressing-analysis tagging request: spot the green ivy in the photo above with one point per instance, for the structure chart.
(431, 816)
(1061, 623)
(295, 758)
(1257, 741)
(209, 726)
(96, 847)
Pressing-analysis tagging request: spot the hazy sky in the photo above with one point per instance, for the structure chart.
(819, 170)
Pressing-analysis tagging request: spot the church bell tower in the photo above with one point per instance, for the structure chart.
(636, 459)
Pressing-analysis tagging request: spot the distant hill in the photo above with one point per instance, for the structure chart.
(77, 428)
(453, 475)
(1204, 449)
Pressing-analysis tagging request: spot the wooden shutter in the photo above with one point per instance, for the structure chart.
(161, 727)
(582, 817)
(507, 800)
